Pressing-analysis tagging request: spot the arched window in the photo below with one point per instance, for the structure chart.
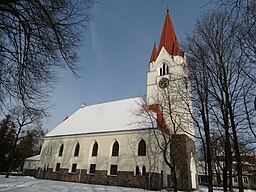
(142, 148)
(115, 149)
(95, 149)
(61, 150)
(137, 170)
(143, 170)
(77, 150)
(164, 69)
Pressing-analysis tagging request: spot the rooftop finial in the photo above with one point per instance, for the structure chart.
(167, 9)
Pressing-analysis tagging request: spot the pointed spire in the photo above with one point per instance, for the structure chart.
(154, 53)
(168, 38)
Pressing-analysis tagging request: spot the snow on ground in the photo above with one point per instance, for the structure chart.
(30, 184)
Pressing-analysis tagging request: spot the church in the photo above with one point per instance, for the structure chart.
(122, 142)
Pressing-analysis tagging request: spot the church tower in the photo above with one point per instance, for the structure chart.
(168, 91)
(166, 63)
(167, 81)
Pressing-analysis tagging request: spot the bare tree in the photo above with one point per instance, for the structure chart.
(36, 39)
(25, 120)
(220, 75)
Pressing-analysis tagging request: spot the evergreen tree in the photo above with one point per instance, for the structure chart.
(7, 138)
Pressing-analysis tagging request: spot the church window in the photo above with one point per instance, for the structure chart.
(142, 148)
(74, 165)
(92, 168)
(137, 170)
(113, 170)
(164, 69)
(77, 150)
(143, 170)
(57, 167)
(61, 150)
(95, 149)
(115, 149)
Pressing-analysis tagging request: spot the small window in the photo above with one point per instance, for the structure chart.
(74, 165)
(235, 180)
(143, 170)
(61, 150)
(142, 148)
(113, 170)
(92, 168)
(115, 149)
(137, 170)
(245, 179)
(95, 149)
(77, 150)
(57, 167)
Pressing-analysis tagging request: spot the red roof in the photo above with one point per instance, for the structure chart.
(160, 119)
(153, 54)
(168, 40)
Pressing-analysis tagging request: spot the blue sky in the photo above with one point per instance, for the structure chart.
(116, 50)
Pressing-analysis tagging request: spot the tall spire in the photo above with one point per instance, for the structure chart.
(168, 38)
(153, 54)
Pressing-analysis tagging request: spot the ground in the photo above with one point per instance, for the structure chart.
(30, 184)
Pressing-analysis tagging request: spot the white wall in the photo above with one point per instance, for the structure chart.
(128, 151)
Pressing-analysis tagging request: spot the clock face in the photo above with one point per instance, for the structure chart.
(163, 83)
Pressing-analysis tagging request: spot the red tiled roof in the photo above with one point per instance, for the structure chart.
(160, 119)
(168, 40)
(153, 54)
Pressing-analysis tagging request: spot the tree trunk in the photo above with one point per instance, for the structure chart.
(13, 152)
(174, 177)
(237, 151)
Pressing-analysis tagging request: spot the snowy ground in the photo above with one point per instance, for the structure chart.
(29, 184)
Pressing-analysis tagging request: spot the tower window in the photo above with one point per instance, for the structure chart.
(115, 149)
(142, 148)
(164, 69)
(61, 150)
(76, 153)
(95, 149)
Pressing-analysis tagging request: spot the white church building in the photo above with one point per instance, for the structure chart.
(119, 143)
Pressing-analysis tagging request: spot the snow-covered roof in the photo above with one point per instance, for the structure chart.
(106, 117)
(34, 158)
